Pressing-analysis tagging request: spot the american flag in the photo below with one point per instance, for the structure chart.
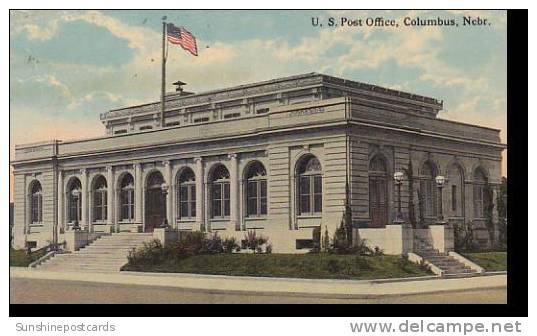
(182, 37)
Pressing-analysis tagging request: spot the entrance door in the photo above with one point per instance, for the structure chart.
(378, 201)
(155, 203)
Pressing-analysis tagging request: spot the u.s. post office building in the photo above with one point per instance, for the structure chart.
(282, 157)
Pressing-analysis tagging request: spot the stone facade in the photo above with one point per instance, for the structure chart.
(360, 135)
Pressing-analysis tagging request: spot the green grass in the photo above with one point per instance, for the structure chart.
(490, 261)
(326, 266)
(20, 258)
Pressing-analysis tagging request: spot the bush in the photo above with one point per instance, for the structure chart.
(464, 237)
(230, 244)
(254, 242)
(212, 245)
(150, 253)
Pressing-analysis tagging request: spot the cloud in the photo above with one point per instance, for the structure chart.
(57, 93)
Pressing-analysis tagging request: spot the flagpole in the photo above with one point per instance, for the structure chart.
(163, 88)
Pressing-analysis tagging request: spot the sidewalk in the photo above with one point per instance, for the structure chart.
(310, 287)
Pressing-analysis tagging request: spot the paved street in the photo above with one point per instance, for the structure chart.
(59, 291)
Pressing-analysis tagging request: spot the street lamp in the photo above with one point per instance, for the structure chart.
(76, 193)
(440, 181)
(398, 179)
(165, 188)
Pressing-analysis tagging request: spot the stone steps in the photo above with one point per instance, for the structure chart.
(106, 254)
(450, 266)
(446, 263)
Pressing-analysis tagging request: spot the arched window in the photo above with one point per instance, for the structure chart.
(456, 190)
(74, 196)
(256, 190)
(310, 187)
(186, 194)
(219, 191)
(36, 203)
(126, 197)
(428, 189)
(480, 197)
(100, 200)
(378, 191)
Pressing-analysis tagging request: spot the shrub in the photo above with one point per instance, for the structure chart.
(254, 242)
(190, 243)
(151, 252)
(230, 244)
(464, 237)
(212, 245)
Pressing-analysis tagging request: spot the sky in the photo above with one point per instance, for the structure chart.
(66, 67)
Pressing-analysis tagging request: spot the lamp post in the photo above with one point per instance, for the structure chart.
(398, 179)
(76, 193)
(440, 181)
(165, 188)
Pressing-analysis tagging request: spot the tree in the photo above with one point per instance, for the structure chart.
(342, 241)
(488, 211)
(409, 171)
(502, 212)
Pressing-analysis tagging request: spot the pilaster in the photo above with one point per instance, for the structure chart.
(200, 183)
(110, 195)
(234, 193)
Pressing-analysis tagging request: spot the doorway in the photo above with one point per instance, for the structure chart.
(155, 202)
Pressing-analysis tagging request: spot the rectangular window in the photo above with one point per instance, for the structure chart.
(220, 196)
(478, 201)
(232, 115)
(122, 131)
(262, 110)
(99, 206)
(73, 207)
(304, 195)
(263, 197)
(317, 194)
(127, 205)
(36, 208)
(193, 200)
(201, 120)
(252, 198)
(187, 201)
(226, 199)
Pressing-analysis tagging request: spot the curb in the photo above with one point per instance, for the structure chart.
(278, 286)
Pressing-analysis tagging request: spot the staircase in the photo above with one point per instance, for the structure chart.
(105, 254)
(450, 266)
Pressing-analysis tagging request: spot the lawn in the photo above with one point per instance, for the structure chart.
(490, 261)
(20, 258)
(325, 266)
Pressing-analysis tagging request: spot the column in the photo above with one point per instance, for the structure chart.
(138, 193)
(84, 195)
(169, 199)
(200, 198)
(61, 194)
(110, 195)
(234, 193)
